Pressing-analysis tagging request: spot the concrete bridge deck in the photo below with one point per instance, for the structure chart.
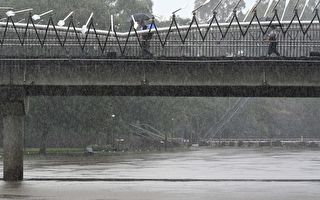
(162, 77)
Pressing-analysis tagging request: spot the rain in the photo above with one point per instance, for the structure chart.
(123, 99)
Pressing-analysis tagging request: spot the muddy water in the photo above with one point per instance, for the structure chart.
(224, 172)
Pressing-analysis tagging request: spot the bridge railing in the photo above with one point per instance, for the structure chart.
(233, 39)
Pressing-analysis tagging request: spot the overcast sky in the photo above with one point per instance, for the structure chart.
(164, 8)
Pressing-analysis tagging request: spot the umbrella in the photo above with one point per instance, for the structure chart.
(138, 17)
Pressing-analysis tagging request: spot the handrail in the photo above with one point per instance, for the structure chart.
(133, 42)
(164, 29)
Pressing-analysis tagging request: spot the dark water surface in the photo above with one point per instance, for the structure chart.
(226, 174)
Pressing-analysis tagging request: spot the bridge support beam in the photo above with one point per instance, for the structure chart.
(13, 133)
(12, 114)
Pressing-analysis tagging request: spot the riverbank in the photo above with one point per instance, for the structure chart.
(81, 152)
(258, 143)
(33, 153)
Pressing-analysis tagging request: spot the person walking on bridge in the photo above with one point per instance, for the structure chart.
(145, 40)
(272, 38)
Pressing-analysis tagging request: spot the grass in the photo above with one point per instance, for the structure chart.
(50, 151)
(55, 151)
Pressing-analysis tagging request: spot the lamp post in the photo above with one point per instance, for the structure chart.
(275, 7)
(84, 28)
(184, 7)
(304, 8)
(253, 9)
(12, 13)
(21, 20)
(6, 8)
(234, 12)
(205, 3)
(38, 16)
(174, 12)
(172, 120)
(215, 8)
(269, 5)
(135, 23)
(113, 116)
(63, 22)
(285, 9)
(316, 7)
(112, 23)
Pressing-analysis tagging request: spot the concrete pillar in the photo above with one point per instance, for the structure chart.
(1, 130)
(13, 133)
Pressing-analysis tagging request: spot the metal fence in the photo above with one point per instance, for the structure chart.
(233, 39)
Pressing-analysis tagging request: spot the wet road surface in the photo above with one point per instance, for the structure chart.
(204, 174)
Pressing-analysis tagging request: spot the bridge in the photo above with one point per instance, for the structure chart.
(236, 39)
(214, 59)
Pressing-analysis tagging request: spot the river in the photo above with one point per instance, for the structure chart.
(201, 174)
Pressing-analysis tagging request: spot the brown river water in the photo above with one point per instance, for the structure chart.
(201, 174)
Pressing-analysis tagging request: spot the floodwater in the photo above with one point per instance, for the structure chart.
(202, 174)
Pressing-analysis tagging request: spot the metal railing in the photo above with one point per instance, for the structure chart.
(233, 39)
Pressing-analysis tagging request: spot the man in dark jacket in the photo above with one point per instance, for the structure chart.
(272, 37)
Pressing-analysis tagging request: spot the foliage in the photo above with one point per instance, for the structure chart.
(227, 6)
(224, 10)
(82, 121)
(102, 9)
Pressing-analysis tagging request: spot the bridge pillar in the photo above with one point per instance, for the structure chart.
(12, 114)
(13, 132)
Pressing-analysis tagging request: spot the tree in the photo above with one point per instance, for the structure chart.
(223, 11)
(102, 9)
(308, 14)
(226, 7)
(123, 9)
